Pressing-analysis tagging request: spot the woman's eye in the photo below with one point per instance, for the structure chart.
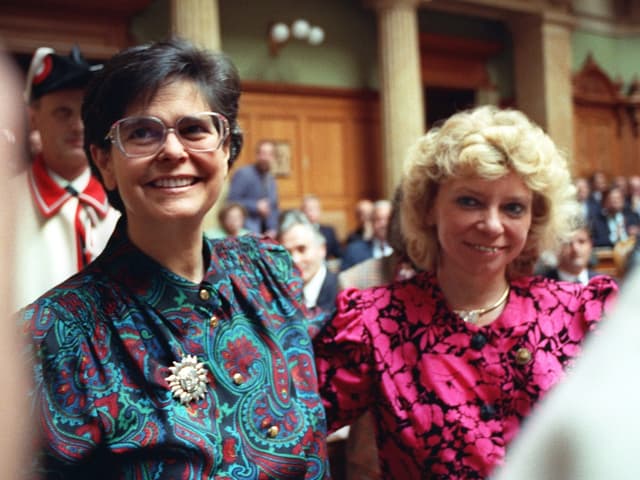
(140, 133)
(515, 209)
(466, 201)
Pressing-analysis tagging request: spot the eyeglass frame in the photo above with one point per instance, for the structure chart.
(114, 139)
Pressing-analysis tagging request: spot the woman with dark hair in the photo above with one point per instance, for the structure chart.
(172, 355)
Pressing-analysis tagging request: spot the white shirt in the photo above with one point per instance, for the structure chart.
(582, 277)
(45, 248)
(381, 249)
(312, 287)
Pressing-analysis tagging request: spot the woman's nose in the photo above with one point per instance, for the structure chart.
(173, 146)
(492, 221)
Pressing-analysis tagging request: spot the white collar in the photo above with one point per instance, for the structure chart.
(582, 277)
(79, 183)
(312, 288)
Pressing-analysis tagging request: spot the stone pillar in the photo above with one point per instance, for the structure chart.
(556, 48)
(198, 21)
(401, 86)
(542, 55)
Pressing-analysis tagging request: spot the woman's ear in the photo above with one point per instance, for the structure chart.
(226, 151)
(103, 161)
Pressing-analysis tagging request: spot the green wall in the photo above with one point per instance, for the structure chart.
(348, 56)
(619, 57)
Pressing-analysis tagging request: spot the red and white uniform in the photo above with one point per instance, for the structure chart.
(61, 226)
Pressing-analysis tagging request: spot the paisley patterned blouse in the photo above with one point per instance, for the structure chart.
(105, 340)
(447, 397)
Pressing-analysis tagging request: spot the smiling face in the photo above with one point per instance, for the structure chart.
(482, 225)
(575, 254)
(174, 184)
(307, 252)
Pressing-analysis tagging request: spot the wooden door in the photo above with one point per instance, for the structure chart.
(332, 141)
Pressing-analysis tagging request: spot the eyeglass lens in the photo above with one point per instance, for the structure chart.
(139, 136)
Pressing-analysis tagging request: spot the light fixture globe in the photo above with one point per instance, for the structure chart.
(279, 32)
(300, 29)
(316, 36)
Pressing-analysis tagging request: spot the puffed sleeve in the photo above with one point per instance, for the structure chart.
(287, 280)
(598, 298)
(344, 354)
(63, 372)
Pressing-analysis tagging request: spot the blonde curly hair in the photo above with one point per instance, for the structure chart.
(489, 143)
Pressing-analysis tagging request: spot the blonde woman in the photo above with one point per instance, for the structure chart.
(452, 360)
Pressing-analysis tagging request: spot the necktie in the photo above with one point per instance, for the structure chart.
(50, 198)
(83, 224)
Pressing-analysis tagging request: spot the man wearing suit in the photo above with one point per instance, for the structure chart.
(377, 247)
(312, 209)
(615, 223)
(254, 187)
(574, 259)
(589, 206)
(308, 251)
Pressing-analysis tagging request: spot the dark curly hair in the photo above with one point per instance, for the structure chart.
(136, 74)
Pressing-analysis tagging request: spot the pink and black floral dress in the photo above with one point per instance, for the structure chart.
(447, 396)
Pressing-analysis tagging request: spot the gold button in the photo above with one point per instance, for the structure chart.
(273, 431)
(238, 378)
(213, 321)
(523, 356)
(204, 294)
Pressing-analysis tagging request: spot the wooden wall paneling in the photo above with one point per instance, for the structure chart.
(285, 130)
(598, 136)
(99, 29)
(455, 62)
(325, 156)
(334, 139)
(598, 122)
(632, 146)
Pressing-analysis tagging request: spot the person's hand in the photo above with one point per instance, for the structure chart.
(271, 233)
(263, 208)
(633, 230)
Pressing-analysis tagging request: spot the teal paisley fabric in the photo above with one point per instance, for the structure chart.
(105, 340)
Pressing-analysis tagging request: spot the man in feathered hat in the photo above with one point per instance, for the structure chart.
(65, 219)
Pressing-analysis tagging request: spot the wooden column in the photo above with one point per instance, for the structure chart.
(198, 21)
(401, 85)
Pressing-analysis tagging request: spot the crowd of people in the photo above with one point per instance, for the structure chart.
(163, 349)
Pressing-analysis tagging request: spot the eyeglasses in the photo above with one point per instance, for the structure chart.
(145, 136)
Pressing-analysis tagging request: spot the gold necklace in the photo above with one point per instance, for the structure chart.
(473, 316)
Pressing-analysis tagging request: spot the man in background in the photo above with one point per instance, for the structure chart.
(312, 208)
(308, 251)
(377, 246)
(574, 258)
(254, 187)
(363, 230)
(64, 217)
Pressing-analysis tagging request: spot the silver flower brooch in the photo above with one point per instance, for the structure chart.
(188, 379)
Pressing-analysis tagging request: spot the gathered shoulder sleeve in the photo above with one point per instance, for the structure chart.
(599, 297)
(268, 268)
(344, 360)
(65, 372)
